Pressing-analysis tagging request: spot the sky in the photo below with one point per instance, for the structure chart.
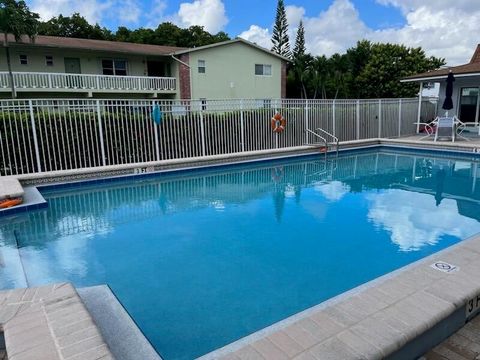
(443, 28)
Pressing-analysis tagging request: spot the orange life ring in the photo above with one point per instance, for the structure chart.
(10, 202)
(278, 123)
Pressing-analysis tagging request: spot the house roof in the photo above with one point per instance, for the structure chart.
(94, 45)
(229, 42)
(469, 69)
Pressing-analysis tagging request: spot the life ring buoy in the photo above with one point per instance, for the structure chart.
(10, 202)
(278, 123)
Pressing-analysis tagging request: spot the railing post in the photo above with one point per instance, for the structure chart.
(307, 111)
(358, 120)
(202, 131)
(242, 127)
(50, 81)
(34, 133)
(399, 117)
(100, 131)
(379, 118)
(97, 81)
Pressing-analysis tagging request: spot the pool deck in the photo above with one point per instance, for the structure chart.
(49, 323)
(406, 312)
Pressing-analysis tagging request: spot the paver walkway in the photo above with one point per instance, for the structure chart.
(463, 345)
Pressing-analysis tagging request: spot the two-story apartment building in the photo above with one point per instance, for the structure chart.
(69, 67)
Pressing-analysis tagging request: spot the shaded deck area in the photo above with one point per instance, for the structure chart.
(463, 345)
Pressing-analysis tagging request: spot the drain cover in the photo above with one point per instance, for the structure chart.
(445, 267)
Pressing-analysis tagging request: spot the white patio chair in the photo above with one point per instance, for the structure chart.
(448, 127)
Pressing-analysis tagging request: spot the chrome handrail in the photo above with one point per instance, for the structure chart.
(321, 138)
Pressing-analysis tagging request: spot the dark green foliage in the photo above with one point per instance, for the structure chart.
(368, 70)
(73, 26)
(281, 43)
(17, 19)
(299, 49)
(165, 34)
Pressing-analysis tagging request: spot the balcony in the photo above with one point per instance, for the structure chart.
(86, 83)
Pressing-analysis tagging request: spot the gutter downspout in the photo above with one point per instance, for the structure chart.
(189, 72)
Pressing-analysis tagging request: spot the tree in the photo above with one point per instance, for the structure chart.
(389, 63)
(299, 48)
(73, 26)
(281, 43)
(18, 20)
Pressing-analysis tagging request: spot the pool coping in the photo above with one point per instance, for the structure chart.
(374, 320)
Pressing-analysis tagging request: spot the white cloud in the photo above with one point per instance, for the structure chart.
(129, 11)
(440, 28)
(210, 14)
(207, 13)
(258, 35)
(333, 190)
(413, 227)
(92, 10)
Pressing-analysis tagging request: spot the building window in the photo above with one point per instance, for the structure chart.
(204, 103)
(23, 59)
(263, 69)
(114, 67)
(49, 60)
(201, 66)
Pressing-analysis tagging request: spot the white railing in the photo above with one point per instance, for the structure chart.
(86, 82)
(49, 135)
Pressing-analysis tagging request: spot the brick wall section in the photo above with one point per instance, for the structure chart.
(184, 77)
(284, 80)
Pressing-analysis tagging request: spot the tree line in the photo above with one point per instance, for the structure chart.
(366, 70)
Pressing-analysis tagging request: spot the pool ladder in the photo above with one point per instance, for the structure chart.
(323, 136)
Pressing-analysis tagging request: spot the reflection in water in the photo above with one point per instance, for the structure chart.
(216, 248)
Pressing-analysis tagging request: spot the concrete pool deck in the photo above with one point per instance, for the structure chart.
(398, 316)
(49, 323)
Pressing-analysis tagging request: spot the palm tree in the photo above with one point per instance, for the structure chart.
(18, 20)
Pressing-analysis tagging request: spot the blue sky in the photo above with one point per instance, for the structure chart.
(241, 16)
(443, 28)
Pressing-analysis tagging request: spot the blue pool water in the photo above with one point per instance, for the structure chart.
(202, 258)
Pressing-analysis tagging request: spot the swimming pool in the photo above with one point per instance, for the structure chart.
(202, 258)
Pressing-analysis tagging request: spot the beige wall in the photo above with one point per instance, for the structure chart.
(90, 62)
(230, 73)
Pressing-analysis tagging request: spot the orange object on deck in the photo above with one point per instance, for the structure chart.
(7, 203)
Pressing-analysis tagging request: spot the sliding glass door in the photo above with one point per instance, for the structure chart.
(469, 104)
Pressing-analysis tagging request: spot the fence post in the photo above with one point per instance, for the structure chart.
(399, 117)
(155, 133)
(34, 132)
(202, 130)
(242, 127)
(358, 120)
(333, 117)
(100, 130)
(419, 113)
(307, 112)
(379, 118)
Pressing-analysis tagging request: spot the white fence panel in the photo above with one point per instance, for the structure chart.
(50, 135)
